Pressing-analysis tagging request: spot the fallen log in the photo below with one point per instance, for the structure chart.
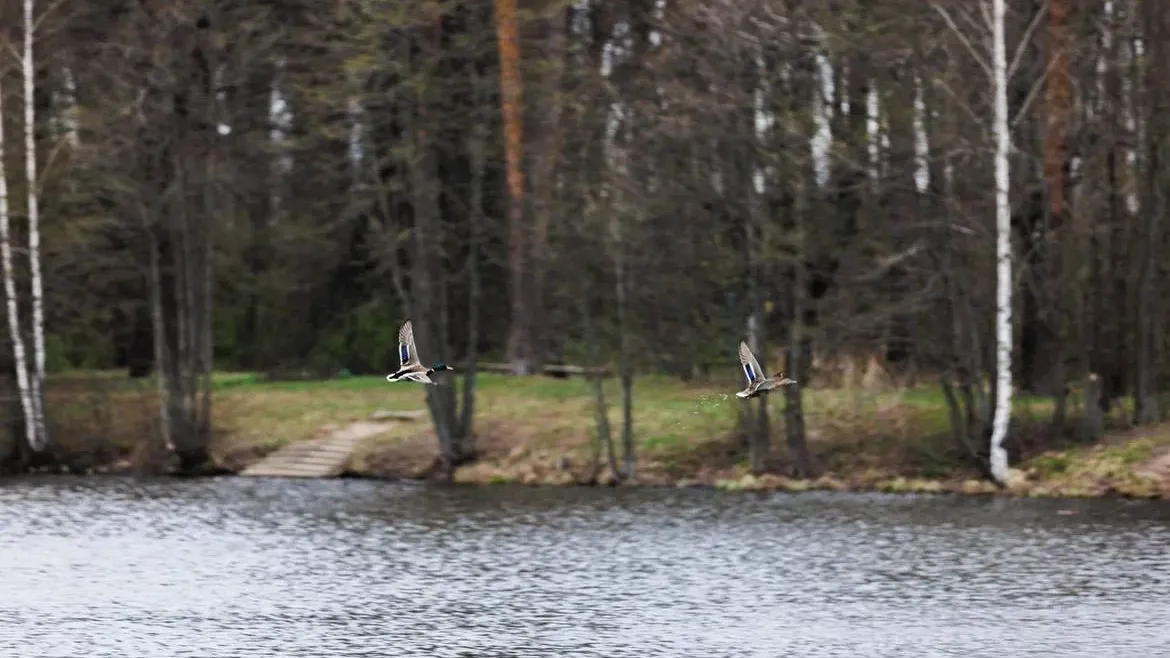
(553, 369)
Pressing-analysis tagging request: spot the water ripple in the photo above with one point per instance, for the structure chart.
(245, 568)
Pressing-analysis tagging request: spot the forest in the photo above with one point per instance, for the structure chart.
(196, 186)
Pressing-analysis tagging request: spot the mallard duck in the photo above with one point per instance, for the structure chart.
(758, 384)
(411, 368)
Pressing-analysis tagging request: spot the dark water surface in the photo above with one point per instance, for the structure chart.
(235, 567)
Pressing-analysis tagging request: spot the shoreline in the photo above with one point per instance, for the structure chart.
(539, 431)
(1021, 487)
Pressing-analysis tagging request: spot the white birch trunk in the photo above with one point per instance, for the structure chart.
(1003, 250)
(34, 231)
(10, 296)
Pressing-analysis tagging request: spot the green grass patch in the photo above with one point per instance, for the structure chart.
(539, 429)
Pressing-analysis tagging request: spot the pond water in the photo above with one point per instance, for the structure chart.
(239, 567)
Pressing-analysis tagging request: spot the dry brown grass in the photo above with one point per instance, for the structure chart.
(97, 420)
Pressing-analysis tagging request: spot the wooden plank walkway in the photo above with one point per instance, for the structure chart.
(327, 456)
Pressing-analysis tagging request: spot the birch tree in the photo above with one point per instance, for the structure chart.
(22, 375)
(1003, 249)
(37, 376)
(999, 74)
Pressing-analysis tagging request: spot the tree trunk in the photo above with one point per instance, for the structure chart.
(1153, 207)
(625, 369)
(795, 364)
(1057, 97)
(202, 280)
(758, 429)
(206, 298)
(520, 347)
(13, 447)
(1057, 100)
(477, 148)
(1003, 250)
(628, 453)
(428, 303)
(162, 356)
(597, 384)
(796, 361)
(190, 446)
(14, 330)
(424, 293)
(546, 148)
(37, 376)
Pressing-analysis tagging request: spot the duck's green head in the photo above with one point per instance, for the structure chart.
(440, 367)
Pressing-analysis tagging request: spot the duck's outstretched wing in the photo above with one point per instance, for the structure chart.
(751, 367)
(407, 356)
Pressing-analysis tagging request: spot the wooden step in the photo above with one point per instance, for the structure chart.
(384, 414)
(321, 457)
(294, 464)
(282, 473)
(307, 463)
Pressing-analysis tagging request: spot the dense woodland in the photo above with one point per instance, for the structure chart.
(275, 186)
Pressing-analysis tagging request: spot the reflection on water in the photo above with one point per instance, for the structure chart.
(240, 567)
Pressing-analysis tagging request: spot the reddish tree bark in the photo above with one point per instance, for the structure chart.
(519, 348)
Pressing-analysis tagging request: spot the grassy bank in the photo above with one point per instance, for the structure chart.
(539, 430)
